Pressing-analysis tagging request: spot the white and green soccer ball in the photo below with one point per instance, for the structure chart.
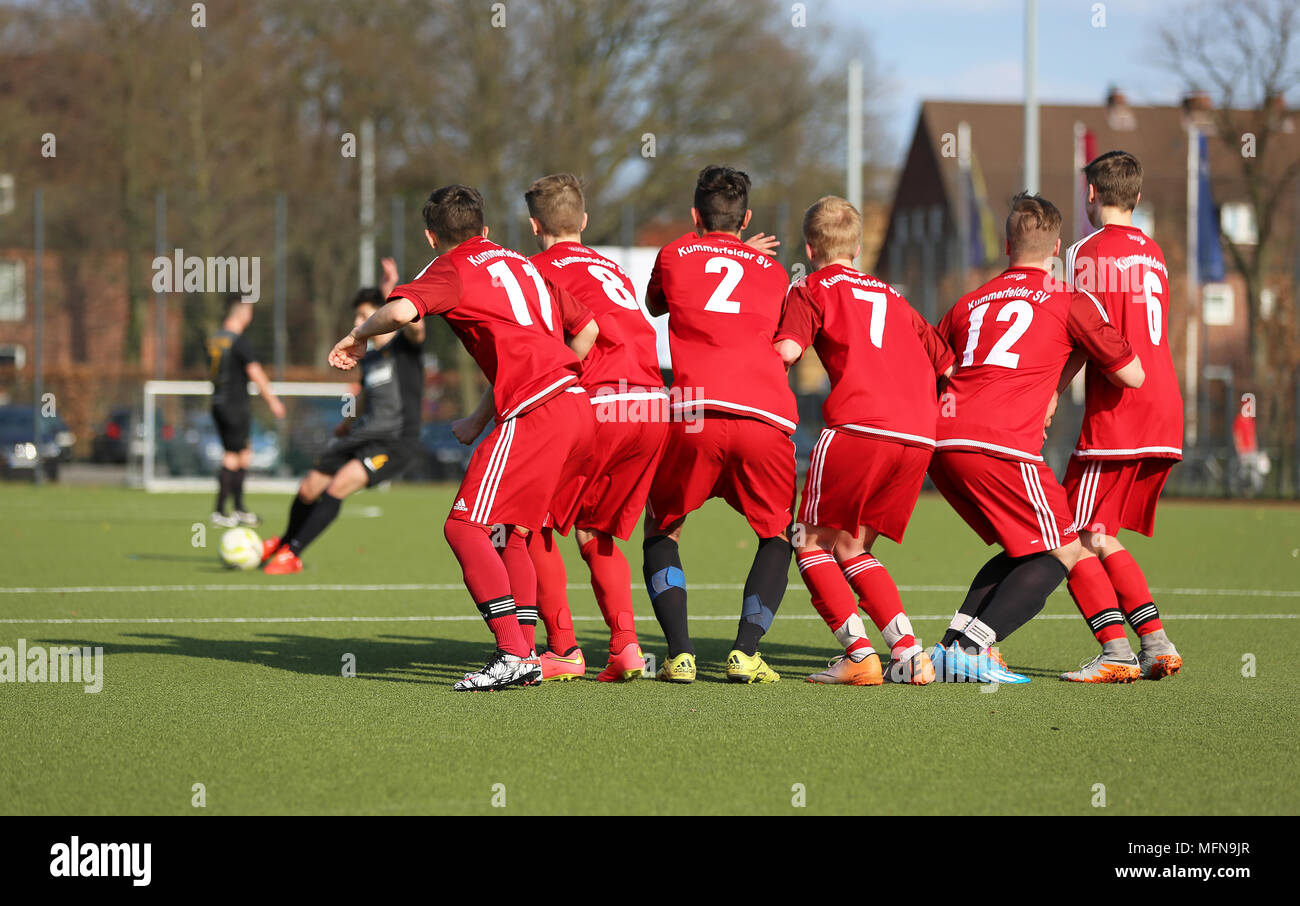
(241, 548)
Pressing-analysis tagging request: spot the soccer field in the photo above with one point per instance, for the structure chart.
(235, 680)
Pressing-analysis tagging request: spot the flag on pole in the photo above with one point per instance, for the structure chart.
(1085, 149)
(984, 249)
(1209, 252)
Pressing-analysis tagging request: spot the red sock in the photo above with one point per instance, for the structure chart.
(523, 585)
(1131, 589)
(611, 578)
(552, 594)
(488, 582)
(1095, 597)
(878, 596)
(832, 598)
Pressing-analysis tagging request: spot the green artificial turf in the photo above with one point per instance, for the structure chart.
(258, 711)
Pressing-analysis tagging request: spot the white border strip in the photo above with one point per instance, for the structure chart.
(457, 586)
(475, 618)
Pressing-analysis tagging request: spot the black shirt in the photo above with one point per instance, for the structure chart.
(229, 356)
(392, 382)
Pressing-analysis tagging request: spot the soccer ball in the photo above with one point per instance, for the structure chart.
(241, 548)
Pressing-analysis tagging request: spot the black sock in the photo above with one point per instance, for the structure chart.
(321, 515)
(298, 511)
(666, 584)
(225, 486)
(1018, 597)
(764, 589)
(981, 590)
(237, 488)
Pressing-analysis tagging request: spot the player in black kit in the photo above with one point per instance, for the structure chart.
(233, 365)
(378, 446)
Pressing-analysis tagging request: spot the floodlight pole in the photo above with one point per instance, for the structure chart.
(1031, 97)
(159, 298)
(38, 329)
(367, 251)
(397, 209)
(281, 279)
(854, 161)
(1191, 407)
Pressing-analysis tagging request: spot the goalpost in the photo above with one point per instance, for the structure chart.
(179, 449)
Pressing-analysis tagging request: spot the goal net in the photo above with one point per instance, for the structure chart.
(175, 445)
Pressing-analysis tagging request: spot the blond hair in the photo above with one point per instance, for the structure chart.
(1033, 226)
(832, 228)
(556, 203)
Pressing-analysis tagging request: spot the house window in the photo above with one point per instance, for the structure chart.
(1237, 221)
(6, 193)
(1217, 304)
(12, 355)
(1145, 219)
(13, 302)
(1267, 303)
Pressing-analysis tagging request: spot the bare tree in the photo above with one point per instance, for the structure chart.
(1247, 56)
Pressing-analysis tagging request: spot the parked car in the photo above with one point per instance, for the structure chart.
(121, 436)
(23, 450)
(310, 428)
(198, 447)
(446, 458)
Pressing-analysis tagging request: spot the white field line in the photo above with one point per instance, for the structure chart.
(794, 587)
(474, 618)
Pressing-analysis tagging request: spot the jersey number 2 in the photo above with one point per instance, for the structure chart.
(731, 272)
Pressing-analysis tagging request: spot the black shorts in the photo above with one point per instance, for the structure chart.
(383, 458)
(233, 427)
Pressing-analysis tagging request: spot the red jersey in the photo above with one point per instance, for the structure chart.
(724, 302)
(1125, 270)
(881, 355)
(1014, 335)
(625, 349)
(511, 320)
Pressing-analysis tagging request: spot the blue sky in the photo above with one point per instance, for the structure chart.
(974, 49)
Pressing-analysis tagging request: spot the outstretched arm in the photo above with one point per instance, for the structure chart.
(257, 374)
(468, 429)
(394, 315)
(1131, 375)
(584, 339)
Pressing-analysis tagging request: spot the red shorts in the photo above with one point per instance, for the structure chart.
(628, 444)
(854, 480)
(1113, 494)
(514, 474)
(1019, 505)
(746, 462)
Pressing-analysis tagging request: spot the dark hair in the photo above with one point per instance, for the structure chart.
(454, 214)
(368, 295)
(230, 301)
(556, 203)
(1117, 177)
(1033, 226)
(721, 198)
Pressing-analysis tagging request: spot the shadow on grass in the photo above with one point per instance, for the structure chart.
(206, 559)
(388, 658)
(422, 659)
